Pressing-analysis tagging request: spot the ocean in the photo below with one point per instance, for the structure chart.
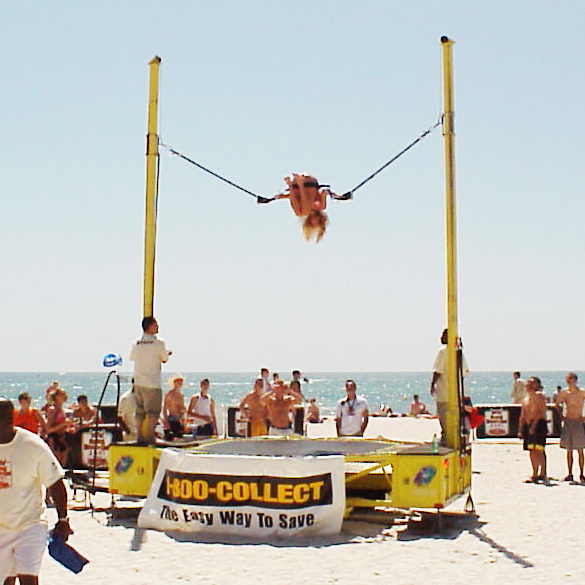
(394, 389)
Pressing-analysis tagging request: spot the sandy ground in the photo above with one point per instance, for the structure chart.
(524, 533)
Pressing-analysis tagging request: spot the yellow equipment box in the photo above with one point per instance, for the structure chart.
(423, 479)
(132, 469)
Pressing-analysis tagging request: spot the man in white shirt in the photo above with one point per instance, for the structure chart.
(148, 353)
(518, 389)
(351, 413)
(439, 382)
(26, 464)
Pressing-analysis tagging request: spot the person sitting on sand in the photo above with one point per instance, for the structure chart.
(417, 407)
(573, 432)
(173, 409)
(534, 428)
(57, 425)
(29, 418)
(279, 403)
(254, 409)
(308, 201)
(313, 411)
(202, 407)
(84, 412)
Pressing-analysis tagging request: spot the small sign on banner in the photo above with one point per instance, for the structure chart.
(253, 496)
(94, 448)
(496, 422)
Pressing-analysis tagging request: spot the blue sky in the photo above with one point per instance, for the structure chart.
(259, 89)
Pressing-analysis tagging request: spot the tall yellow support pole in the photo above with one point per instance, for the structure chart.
(452, 431)
(151, 190)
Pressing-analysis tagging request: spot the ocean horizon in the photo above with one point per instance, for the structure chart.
(394, 389)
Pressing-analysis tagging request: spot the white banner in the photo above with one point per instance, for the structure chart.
(254, 496)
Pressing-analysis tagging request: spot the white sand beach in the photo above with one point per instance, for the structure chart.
(524, 533)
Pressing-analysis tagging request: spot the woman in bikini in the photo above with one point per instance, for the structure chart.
(57, 424)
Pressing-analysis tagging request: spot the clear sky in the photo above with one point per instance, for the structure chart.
(257, 89)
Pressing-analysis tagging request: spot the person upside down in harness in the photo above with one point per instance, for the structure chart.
(308, 200)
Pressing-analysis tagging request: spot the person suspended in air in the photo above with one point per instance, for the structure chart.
(308, 200)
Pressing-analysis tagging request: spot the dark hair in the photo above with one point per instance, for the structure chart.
(147, 322)
(23, 396)
(296, 372)
(81, 397)
(205, 381)
(516, 374)
(415, 396)
(263, 370)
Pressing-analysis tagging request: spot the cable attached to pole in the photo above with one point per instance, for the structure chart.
(344, 197)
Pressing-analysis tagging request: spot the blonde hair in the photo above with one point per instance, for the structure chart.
(315, 231)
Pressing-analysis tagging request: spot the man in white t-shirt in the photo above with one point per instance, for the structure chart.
(148, 353)
(26, 465)
(351, 413)
(439, 382)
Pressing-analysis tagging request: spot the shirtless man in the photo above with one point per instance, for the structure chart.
(202, 409)
(313, 415)
(533, 428)
(174, 409)
(254, 409)
(417, 407)
(279, 404)
(573, 433)
(83, 411)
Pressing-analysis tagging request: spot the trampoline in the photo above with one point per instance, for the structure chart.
(292, 447)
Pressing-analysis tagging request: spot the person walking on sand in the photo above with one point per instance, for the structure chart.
(518, 389)
(351, 413)
(534, 429)
(439, 381)
(26, 465)
(148, 353)
(573, 432)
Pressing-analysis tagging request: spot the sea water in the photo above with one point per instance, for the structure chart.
(394, 389)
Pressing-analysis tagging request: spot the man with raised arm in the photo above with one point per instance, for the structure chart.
(279, 404)
(26, 465)
(534, 429)
(573, 433)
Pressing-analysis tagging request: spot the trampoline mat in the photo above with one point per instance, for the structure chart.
(297, 447)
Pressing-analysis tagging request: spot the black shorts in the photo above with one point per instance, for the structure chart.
(536, 440)
(205, 430)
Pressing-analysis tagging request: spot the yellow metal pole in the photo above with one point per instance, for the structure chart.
(151, 190)
(452, 431)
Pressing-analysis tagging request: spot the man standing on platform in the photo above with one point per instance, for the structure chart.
(439, 382)
(351, 414)
(26, 464)
(518, 389)
(148, 353)
(573, 433)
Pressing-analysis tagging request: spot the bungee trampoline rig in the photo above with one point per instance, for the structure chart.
(378, 472)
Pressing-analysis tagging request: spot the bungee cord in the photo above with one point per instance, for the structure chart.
(348, 195)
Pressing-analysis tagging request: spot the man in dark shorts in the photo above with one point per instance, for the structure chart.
(534, 428)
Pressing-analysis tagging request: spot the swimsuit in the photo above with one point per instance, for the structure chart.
(537, 440)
